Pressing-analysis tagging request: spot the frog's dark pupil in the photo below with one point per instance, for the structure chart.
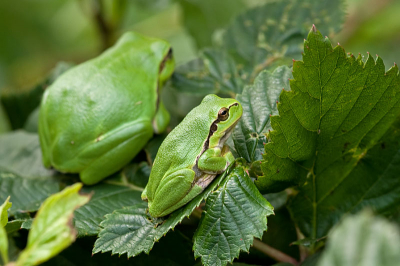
(223, 112)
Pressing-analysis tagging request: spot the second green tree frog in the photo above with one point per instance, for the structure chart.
(192, 155)
(98, 115)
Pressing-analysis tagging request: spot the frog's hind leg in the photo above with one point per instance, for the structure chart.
(115, 150)
(172, 192)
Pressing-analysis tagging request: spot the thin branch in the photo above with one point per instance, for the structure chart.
(302, 249)
(274, 253)
(103, 27)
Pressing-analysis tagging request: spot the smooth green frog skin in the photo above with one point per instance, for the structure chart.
(97, 116)
(192, 155)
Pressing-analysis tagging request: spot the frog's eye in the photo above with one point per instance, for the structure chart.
(223, 114)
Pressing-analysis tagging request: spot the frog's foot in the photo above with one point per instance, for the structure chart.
(212, 161)
(116, 149)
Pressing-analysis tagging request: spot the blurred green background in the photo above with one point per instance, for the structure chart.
(36, 34)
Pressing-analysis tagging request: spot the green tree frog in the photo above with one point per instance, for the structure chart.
(192, 155)
(98, 115)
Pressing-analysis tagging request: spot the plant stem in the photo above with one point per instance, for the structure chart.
(302, 250)
(274, 253)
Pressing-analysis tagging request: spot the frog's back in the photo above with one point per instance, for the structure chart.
(112, 90)
(184, 144)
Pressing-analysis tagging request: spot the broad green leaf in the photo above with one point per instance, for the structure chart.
(175, 249)
(362, 240)
(137, 174)
(130, 230)
(17, 224)
(13, 226)
(329, 124)
(260, 38)
(234, 214)
(27, 224)
(273, 33)
(106, 199)
(20, 154)
(22, 174)
(121, 190)
(27, 193)
(19, 105)
(259, 102)
(216, 72)
(373, 182)
(3, 235)
(52, 230)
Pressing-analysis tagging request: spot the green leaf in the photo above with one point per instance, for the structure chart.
(137, 174)
(260, 38)
(20, 154)
(215, 72)
(362, 239)
(13, 226)
(131, 231)
(106, 199)
(235, 213)
(122, 190)
(175, 249)
(378, 172)
(272, 34)
(259, 103)
(27, 224)
(3, 235)
(22, 174)
(327, 136)
(27, 194)
(51, 230)
(19, 105)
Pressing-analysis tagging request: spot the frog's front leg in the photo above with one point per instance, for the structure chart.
(173, 192)
(114, 151)
(215, 161)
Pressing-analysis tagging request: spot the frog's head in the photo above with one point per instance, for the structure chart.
(167, 66)
(226, 113)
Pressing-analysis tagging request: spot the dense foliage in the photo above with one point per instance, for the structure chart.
(317, 148)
